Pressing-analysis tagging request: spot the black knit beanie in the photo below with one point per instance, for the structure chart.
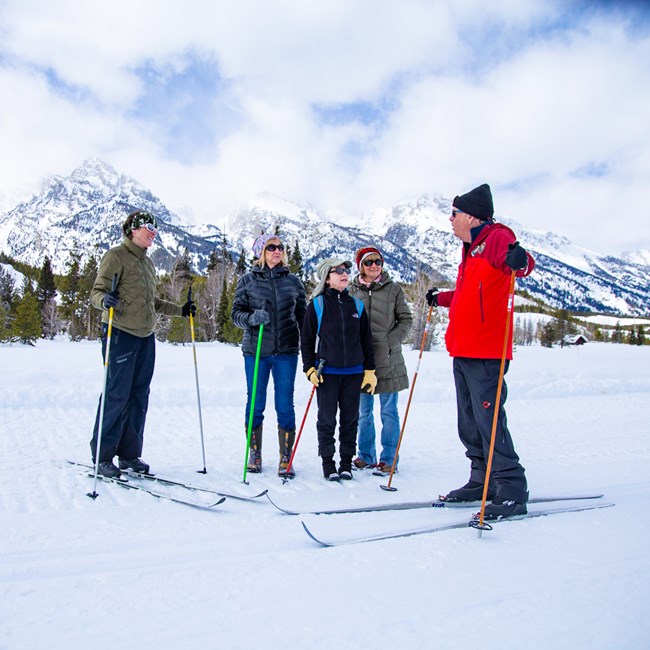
(477, 202)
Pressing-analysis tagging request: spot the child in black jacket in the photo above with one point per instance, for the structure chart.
(336, 329)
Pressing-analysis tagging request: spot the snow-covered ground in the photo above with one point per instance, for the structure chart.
(128, 570)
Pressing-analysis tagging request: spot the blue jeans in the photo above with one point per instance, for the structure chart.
(390, 428)
(283, 368)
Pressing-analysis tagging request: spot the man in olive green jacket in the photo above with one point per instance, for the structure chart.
(391, 321)
(133, 353)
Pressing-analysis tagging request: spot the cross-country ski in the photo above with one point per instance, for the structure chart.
(321, 535)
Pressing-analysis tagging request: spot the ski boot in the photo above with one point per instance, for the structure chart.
(286, 438)
(471, 491)
(255, 453)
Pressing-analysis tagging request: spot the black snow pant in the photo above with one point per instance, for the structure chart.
(130, 369)
(341, 392)
(476, 388)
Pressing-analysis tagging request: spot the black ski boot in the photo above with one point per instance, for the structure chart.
(135, 464)
(501, 508)
(255, 453)
(329, 469)
(108, 470)
(471, 491)
(345, 468)
(286, 438)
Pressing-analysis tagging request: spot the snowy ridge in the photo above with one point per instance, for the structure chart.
(86, 209)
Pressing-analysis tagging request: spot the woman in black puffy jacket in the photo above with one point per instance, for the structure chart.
(271, 295)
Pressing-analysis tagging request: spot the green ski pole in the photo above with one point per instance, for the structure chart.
(253, 394)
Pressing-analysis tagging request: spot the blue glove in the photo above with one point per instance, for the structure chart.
(111, 299)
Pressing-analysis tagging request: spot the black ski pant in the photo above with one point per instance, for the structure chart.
(342, 393)
(130, 369)
(476, 388)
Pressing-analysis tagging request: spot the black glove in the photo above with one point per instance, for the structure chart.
(111, 299)
(432, 297)
(516, 257)
(189, 308)
(259, 316)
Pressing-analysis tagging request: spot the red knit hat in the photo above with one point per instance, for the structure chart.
(362, 253)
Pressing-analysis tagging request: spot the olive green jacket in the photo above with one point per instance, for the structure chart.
(136, 313)
(391, 321)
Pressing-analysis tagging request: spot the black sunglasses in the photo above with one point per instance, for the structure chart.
(340, 271)
(378, 262)
(274, 247)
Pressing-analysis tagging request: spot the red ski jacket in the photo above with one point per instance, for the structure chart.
(478, 305)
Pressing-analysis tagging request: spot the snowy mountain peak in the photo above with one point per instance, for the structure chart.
(84, 211)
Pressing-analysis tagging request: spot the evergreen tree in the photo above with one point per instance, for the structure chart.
(640, 335)
(46, 287)
(548, 333)
(295, 262)
(70, 307)
(26, 327)
(631, 336)
(241, 267)
(5, 324)
(617, 334)
(7, 289)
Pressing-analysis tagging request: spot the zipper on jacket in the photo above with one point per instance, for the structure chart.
(480, 300)
(343, 336)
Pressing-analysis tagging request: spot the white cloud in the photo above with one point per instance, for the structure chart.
(465, 93)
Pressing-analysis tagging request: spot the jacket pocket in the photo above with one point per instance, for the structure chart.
(480, 301)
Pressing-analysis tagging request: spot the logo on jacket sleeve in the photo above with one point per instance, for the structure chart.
(478, 250)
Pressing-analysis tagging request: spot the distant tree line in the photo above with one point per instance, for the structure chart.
(47, 305)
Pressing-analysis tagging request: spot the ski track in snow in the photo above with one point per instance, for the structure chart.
(128, 569)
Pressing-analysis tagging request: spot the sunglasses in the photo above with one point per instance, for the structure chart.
(378, 262)
(275, 247)
(340, 271)
(455, 213)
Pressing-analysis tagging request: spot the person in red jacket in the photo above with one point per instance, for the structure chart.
(474, 338)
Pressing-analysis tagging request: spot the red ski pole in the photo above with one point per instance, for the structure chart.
(319, 370)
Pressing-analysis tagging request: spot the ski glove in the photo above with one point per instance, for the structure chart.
(432, 297)
(111, 299)
(369, 382)
(189, 308)
(314, 377)
(516, 257)
(258, 317)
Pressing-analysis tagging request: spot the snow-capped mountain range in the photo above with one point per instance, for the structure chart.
(84, 211)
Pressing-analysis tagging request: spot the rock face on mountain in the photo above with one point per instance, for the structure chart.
(84, 212)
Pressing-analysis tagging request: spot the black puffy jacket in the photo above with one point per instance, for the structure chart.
(282, 295)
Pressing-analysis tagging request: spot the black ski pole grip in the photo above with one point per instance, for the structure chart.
(189, 294)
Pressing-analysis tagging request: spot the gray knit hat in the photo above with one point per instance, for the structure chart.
(323, 271)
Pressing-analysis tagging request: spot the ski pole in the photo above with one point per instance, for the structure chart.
(253, 394)
(196, 377)
(319, 371)
(480, 525)
(388, 487)
(100, 427)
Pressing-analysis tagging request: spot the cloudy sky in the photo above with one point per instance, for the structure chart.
(345, 104)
